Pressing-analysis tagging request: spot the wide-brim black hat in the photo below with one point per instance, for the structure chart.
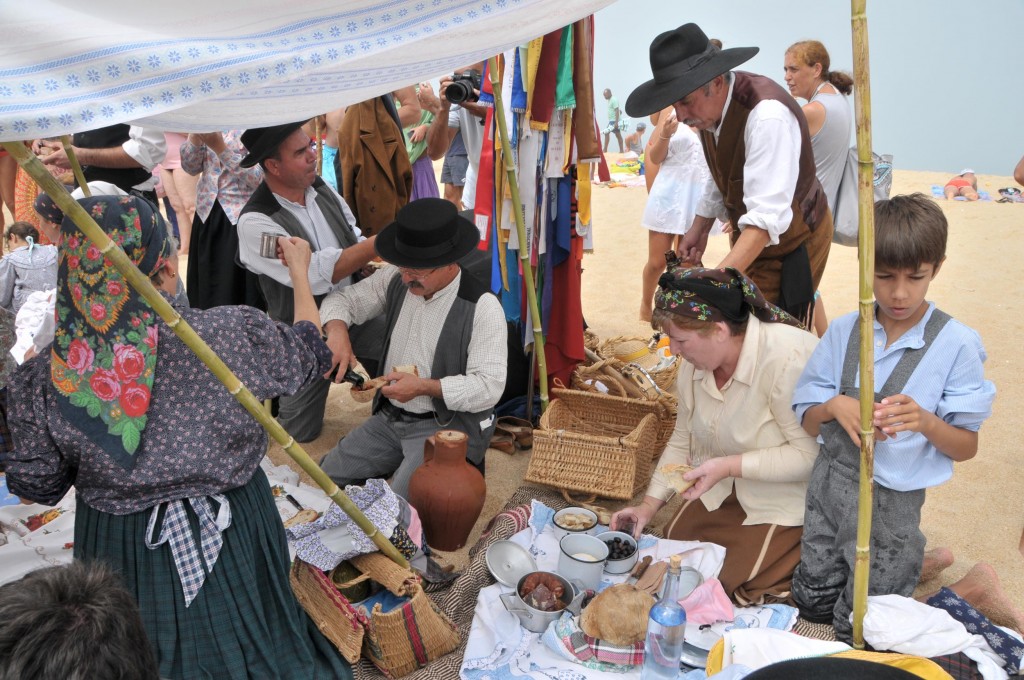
(263, 142)
(681, 61)
(427, 233)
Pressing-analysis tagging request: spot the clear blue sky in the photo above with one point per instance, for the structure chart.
(947, 77)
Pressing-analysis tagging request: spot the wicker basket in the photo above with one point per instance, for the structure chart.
(397, 641)
(637, 351)
(599, 444)
(332, 613)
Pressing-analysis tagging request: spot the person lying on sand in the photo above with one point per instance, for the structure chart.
(965, 184)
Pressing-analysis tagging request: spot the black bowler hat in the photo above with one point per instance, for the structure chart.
(681, 61)
(263, 142)
(427, 233)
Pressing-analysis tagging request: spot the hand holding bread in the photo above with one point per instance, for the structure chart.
(370, 387)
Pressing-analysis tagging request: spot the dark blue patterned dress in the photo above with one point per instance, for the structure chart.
(244, 622)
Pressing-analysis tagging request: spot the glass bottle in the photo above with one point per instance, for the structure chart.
(665, 630)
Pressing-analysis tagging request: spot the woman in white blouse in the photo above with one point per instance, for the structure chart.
(736, 429)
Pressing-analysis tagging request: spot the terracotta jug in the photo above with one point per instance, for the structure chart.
(447, 492)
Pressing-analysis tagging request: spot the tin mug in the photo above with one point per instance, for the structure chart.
(268, 244)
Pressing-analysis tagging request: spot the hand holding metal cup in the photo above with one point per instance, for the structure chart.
(268, 244)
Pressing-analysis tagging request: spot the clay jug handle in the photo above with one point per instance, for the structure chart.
(428, 449)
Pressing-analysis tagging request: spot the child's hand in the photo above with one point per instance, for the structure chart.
(900, 413)
(846, 411)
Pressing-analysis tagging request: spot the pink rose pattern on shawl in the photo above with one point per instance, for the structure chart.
(105, 348)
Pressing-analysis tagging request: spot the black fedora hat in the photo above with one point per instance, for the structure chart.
(681, 61)
(263, 142)
(427, 233)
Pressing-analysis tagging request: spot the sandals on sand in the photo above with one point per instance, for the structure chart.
(512, 434)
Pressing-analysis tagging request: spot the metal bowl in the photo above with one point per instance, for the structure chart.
(562, 531)
(620, 566)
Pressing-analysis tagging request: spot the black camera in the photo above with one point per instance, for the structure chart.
(463, 87)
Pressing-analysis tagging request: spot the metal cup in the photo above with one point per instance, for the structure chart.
(268, 244)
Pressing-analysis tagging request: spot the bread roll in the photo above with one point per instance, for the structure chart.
(618, 615)
(674, 475)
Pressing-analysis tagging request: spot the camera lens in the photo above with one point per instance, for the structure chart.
(459, 91)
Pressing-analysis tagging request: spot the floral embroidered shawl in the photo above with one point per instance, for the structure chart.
(105, 346)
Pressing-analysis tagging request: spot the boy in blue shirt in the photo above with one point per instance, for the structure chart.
(932, 401)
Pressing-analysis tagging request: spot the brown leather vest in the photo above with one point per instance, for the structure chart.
(727, 156)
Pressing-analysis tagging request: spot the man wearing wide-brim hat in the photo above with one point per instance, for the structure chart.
(293, 201)
(758, 149)
(439, 319)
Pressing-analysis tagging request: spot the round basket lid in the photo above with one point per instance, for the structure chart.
(509, 562)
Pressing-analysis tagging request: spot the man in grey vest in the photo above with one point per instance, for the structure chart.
(439, 319)
(293, 201)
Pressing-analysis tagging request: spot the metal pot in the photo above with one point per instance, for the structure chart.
(535, 620)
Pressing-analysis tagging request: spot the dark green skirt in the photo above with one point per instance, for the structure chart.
(245, 622)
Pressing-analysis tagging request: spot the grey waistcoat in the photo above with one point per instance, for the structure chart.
(450, 358)
(280, 298)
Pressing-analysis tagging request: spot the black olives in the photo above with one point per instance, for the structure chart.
(619, 548)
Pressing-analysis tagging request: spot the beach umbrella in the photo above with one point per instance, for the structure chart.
(144, 286)
(866, 305)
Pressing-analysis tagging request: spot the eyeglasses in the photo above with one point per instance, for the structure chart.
(418, 274)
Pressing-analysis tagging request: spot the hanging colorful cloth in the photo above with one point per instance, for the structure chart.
(584, 121)
(104, 354)
(542, 97)
(486, 91)
(517, 97)
(483, 209)
(565, 97)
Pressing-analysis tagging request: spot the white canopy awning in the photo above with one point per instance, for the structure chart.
(197, 66)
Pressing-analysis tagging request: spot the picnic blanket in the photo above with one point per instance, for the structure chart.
(458, 598)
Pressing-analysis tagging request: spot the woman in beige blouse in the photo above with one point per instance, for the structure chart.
(751, 459)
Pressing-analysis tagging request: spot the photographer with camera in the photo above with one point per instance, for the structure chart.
(458, 111)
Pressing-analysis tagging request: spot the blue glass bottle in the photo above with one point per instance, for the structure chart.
(665, 630)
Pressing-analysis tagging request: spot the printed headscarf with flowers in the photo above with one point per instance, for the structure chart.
(715, 295)
(105, 345)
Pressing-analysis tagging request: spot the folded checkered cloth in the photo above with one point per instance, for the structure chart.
(568, 639)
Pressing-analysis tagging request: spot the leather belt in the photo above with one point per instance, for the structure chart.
(393, 411)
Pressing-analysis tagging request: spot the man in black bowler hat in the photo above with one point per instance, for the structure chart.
(293, 201)
(758, 149)
(439, 319)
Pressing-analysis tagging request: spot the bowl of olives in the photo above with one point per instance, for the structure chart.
(622, 551)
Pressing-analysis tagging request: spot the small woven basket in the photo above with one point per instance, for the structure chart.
(332, 613)
(397, 641)
(600, 444)
(636, 350)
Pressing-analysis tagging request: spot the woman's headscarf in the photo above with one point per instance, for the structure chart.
(105, 346)
(46, 208)
(715, 295)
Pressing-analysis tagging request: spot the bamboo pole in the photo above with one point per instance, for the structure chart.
(866, 259)
(319, 147)
(144, 286)
(524, 251)
(76, 167)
